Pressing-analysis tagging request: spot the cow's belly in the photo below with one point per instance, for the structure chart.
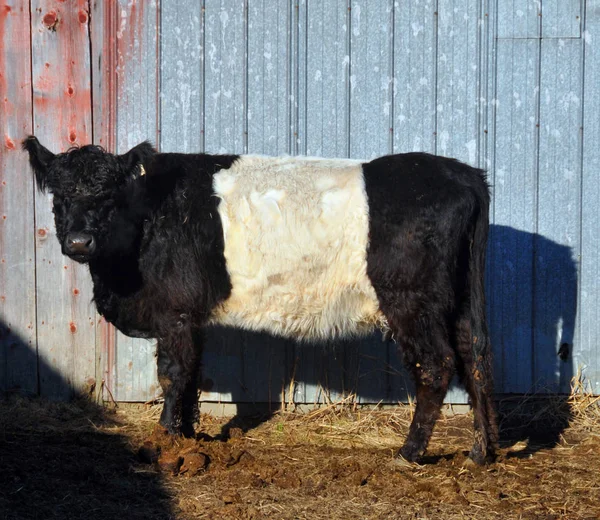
(296, 236)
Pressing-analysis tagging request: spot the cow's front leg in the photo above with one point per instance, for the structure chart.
(178, 367)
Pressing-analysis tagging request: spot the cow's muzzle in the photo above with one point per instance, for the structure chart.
(80, 246)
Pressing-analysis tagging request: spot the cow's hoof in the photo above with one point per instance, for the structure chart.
(187, 430)
(481, 458)
(170, 428)
(411, 453)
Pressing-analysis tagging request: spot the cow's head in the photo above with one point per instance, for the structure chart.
(92, 194)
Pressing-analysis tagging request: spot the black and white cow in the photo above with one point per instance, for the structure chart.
(299, 247)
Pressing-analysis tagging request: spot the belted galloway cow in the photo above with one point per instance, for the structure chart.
(298, 247)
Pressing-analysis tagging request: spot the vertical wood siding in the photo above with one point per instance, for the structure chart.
(505, 85)
(62, 117)
(18, 326)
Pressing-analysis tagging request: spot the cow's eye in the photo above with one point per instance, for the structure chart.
(60, 205)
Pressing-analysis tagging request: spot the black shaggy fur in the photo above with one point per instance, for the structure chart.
(159, 270)
(426, 259)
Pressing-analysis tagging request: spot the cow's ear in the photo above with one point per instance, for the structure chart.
(135, 158)
(40, 159)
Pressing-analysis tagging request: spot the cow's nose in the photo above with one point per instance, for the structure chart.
(80, 244)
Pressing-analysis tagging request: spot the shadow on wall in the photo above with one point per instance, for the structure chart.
(56, 464)
(532, 306)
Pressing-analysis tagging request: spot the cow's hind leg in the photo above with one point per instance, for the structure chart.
(430, 358)
(475, 372)
(178, 367)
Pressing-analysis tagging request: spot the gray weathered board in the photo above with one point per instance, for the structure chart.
(503, 84)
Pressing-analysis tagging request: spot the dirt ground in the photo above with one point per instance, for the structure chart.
(79, 460)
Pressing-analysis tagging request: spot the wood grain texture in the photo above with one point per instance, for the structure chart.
(414, 88)
(18, 360)
(131, 366)
(371, 78)
(588, 355)
(62, 112)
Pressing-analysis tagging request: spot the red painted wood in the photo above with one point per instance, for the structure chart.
(62, 118)
(18, 362)
(103, 34)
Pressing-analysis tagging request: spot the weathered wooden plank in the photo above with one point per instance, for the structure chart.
(225, 76)
(326, 80)
(181, 73)
(489, 90)
(18, 357)
(103, 37)
(370, 372)
(519, 18)
(62, 118)
(263, 359)
(222, 371)
(561, 19)
(515, 197)
(371, 78)
(244, 367)
(458, 91)
(458, 94)
(133, 378)
(371, 114)
(103, 48)
(587, 355)
(299, 70)
(559, 207)
(324, 122)
(269, 77)
(414, 76)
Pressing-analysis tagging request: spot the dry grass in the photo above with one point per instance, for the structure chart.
(585, 406)
(78, 460)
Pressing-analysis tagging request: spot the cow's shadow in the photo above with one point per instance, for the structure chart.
(531, 285)
(54, 460)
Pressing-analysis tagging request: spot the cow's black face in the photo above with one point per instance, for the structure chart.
(81, 223)
(91, 194)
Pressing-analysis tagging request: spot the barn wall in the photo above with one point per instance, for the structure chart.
(508, 86)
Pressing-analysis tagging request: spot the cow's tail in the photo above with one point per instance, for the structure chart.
(481, 344)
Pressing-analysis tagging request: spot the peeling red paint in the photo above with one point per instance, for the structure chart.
(9, 143)
(44, 83)
(41, 232)
(3, 217)
(75, 292)
(3, 16)
(62, 87)
(7, 8)
(72, 327)
(65, 267)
